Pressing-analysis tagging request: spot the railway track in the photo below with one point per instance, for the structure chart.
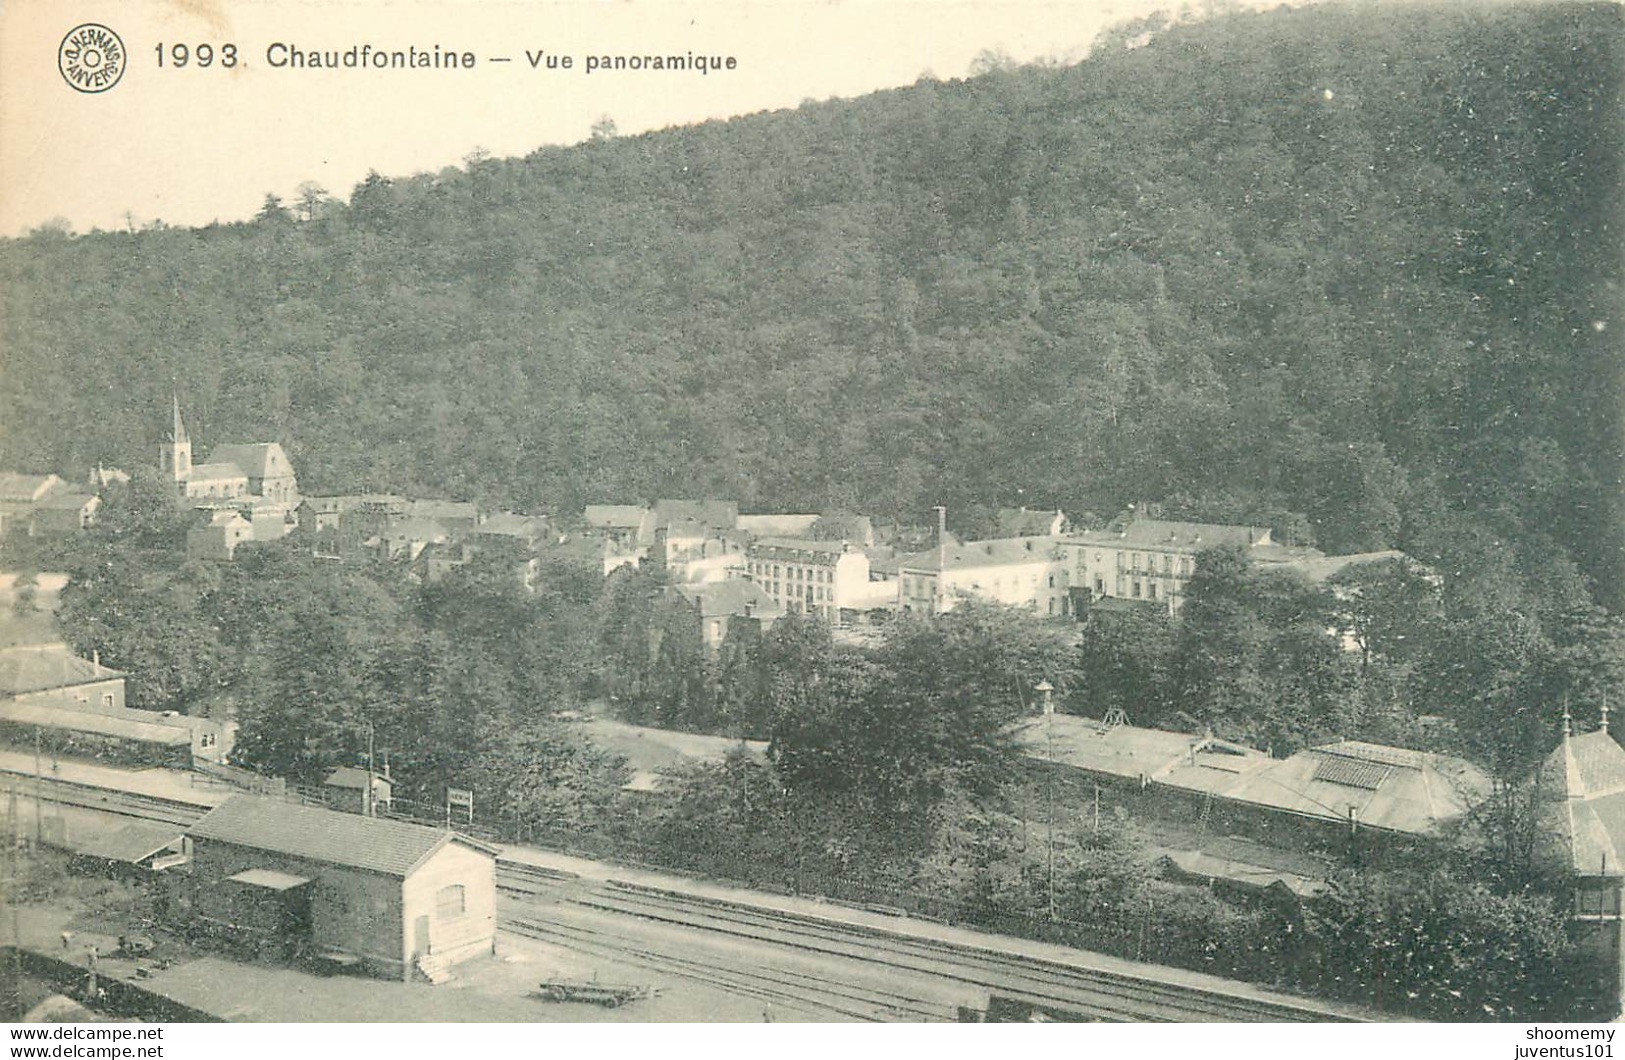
(107, 800)
(1087, 992)
(770, 983)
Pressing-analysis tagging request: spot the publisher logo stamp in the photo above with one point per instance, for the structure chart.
(91, 58)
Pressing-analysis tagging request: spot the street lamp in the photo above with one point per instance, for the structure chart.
(1045, 689)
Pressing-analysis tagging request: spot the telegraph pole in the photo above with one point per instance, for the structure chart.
(942, 557)
(39, 793)
(1044, 688)
(369, 802)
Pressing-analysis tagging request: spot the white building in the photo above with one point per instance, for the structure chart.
(1028, 572)
(1148, 559)
(827, 579)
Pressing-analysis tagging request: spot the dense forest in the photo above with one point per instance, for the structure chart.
(1354, 276)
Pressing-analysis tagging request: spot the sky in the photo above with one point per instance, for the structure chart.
(190, 145)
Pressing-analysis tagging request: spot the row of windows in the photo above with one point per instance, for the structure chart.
(799, 592)
(773, 570)
(1150, 563)
(1143, 590)
(924, 586)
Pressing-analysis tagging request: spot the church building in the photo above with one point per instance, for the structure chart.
(259, 471)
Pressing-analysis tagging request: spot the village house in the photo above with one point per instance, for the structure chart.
(367, 514)
(1026, 522)
(1028, 572)
(399, 900)
(218, 539)
(44, 506)
(18, 495)
(826, 579)
(717, 515)
(723, 607)
(79, 703)
(62, 513)
(629, 527)
(458, 517)
(1149, 560)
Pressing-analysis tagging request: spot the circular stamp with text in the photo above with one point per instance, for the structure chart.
(91, 58)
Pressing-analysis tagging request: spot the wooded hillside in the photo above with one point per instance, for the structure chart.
(1356, 275)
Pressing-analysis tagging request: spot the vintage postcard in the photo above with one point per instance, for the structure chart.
(707, 512)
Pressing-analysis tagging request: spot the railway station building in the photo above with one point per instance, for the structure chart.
(394, 899)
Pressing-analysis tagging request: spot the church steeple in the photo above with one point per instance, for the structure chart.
(175, 455)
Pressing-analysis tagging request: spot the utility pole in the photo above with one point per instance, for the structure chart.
(942, 557)
(369, 800)
(39, 793)
(1044, 688)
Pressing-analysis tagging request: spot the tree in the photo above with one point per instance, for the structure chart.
(273, 212)
(1129, 658)
(311, 196)
(145, 512)
(1438, 947)
(930, 710)
(1257, 658)
(543, 774)
(1391, 608)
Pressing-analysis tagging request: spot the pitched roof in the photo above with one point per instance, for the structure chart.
(345, 502)
(1165, 534)
(1318, 568)
(511, 524)
(215, 472)
(826, 550)
(777, 524)
(1202, 865)
(968, 555)
(615, 516)
(845, 526)
(1588, 773)
(1390, 788)
(133, 843)
(126, 725)
(415, 528)
(375, 844)
(40, 667)
(257, 459)
(735, 596)
(1120, 750)
(352, 777)
(65, 501)
(1026, 522)
(722, 515)
(439, 510)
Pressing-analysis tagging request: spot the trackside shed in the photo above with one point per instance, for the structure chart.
(397, 899)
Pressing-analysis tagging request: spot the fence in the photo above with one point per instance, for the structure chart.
(1143, 933)
(258, 783)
